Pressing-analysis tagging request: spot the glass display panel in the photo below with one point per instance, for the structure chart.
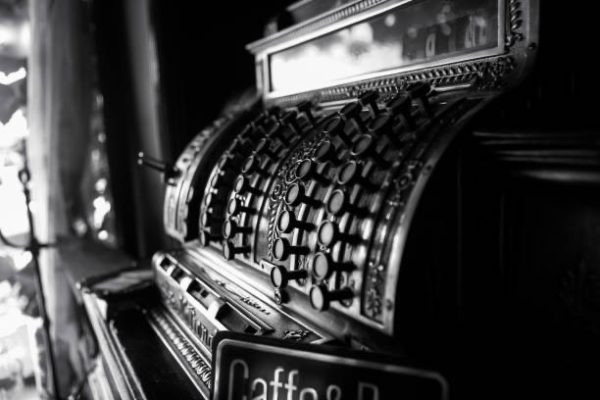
(419, 32)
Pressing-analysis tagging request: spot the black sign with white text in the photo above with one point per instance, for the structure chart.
(251, 368)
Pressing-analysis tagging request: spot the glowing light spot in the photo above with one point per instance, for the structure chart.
(14, 130)
(101, 209)
(101, 185)
(390, 20)
(13, 77)
(362, 33)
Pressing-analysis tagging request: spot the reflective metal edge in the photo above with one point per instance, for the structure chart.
(211, 260)
(210, 271)
(262, 54)
(178, 343)
(404, 219)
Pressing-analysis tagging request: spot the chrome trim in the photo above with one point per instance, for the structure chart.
(325, 19)
(182, 348)
(266, 52)
(231, 271)
(405, 217)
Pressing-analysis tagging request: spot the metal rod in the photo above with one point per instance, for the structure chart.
(152, 162)
(34, 247)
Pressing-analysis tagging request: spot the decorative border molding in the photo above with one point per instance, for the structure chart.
(286, 176)
(185, 349)
(483, 75)
(515, 22)
(404, 177)
(313, 24)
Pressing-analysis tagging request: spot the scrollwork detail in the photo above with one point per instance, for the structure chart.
(515, 21)
(483, 75)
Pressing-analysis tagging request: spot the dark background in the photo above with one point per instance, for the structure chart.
(201, 61)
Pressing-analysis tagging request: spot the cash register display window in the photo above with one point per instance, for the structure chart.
(417, 33)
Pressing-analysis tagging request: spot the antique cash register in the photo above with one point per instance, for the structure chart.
(373, 196)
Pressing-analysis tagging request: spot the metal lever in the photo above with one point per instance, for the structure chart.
(169, 171)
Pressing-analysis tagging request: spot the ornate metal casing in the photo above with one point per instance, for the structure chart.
(492, 68)
(305, 200)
